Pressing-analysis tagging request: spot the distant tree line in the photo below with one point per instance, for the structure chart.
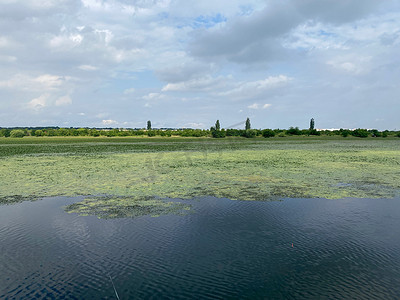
(215, 132)
(96, 132)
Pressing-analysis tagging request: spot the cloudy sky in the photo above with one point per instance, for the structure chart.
(184, 63)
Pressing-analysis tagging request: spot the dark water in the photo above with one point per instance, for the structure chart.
(225, 250)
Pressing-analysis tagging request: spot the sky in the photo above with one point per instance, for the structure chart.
(184, 63)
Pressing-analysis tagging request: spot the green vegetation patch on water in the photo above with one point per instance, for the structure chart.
(15, 199)
(263, 170)
(126, 207)
(88, 146)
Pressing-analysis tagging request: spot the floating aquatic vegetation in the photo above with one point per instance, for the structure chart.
(16, 199)
(258, 170)
(107, 207)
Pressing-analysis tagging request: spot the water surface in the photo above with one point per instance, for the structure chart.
(347, 248)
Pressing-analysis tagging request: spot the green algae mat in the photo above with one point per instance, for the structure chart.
(107, 207)
(237, 168)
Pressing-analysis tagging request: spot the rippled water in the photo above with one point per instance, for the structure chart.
(227, 249)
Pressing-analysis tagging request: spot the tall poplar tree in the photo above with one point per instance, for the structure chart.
(312, 124)
(248, 126)
(217, 125)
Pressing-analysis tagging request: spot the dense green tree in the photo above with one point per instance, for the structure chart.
(4, 132)
(234, 132)
(217, 125)
(248, 125)
(83, 131)
(149, 125)
(268, 133)
(334, 132)
(345, 132)
(362, 133)
(63, 132)
(17, 133)
(112, 132)
(313, 132)
(250, 133)
(218, 133)
(375, 133)
(138, 132)
(50, 132)
(293, 131)
(73, 132)
(187, 132)
(39, 132)
(94, 132)
(312, 124)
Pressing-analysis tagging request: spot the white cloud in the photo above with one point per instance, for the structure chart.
(259, 106)
(194, 125)
(355, 65)
(63, 101)
(66, 41)
(186, 69)
(197, 59)
(254, 106)
(8, 83)
(49, 81)
(104, 35)
(4, 42)
(153, 96)
(312, 35)
(7, 58)
(249, 40)
(42, 4)
(39, 102)
(198, 84)
(46, 82)
(129, 91)
(87, 68)
(109, 122)
(266, 105)
(254, 88)
(270, 82)
(20, 81)
(102, 115)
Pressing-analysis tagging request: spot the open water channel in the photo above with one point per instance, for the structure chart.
(222, 249)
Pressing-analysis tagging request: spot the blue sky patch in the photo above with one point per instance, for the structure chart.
(208, 21)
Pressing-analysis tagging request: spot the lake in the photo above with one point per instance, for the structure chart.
(221, 249)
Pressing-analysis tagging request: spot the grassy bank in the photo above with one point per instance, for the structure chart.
(246, 169)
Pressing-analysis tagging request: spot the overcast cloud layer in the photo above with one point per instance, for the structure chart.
(183, 63)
